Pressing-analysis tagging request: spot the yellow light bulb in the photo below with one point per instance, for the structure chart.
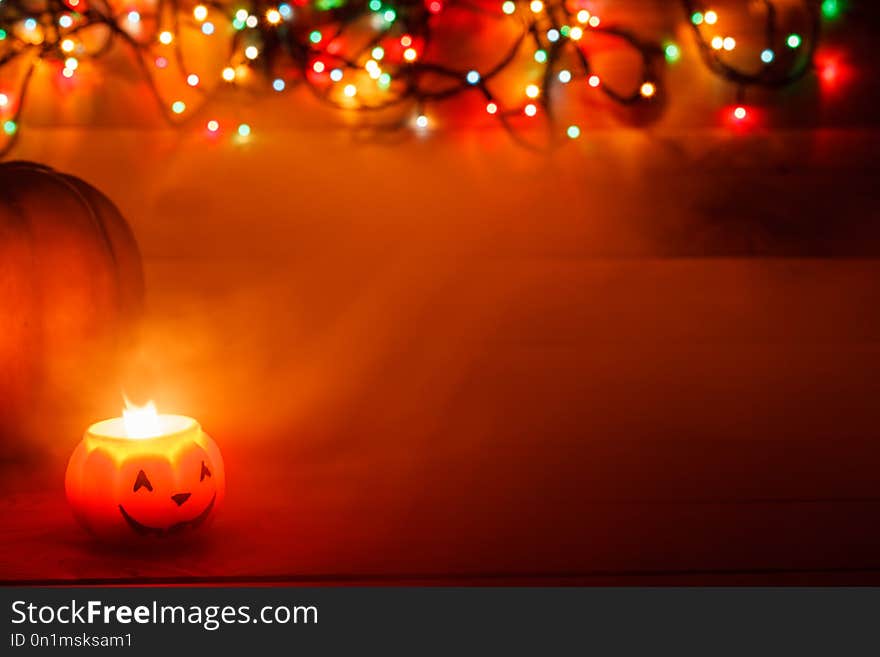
(200, 12)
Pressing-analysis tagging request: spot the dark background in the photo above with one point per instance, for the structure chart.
(648, 356)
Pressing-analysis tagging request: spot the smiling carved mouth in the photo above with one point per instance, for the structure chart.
(141, 528)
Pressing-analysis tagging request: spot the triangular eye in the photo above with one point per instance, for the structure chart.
(142, 481)
(205, 472)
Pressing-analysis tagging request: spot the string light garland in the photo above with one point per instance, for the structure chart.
(766, 71)
(783, 56)
(382, 55)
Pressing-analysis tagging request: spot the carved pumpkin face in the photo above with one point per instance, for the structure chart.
(126, 489)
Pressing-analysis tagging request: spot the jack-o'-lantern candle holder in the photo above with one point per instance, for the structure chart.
(145, 476)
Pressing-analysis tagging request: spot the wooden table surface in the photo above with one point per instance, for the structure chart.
(675, 420)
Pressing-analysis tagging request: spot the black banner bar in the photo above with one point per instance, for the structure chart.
(454, 621)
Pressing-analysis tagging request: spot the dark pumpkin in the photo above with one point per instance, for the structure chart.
(71, 288)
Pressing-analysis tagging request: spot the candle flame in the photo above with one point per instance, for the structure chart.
(141, 421)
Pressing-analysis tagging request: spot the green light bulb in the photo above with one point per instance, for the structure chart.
(831, 9)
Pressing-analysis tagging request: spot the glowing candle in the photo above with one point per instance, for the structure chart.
(145, 476)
